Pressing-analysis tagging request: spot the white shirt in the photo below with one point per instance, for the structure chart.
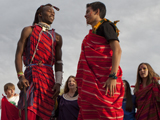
(14, 100)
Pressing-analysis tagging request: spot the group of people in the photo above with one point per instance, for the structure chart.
(97, 92)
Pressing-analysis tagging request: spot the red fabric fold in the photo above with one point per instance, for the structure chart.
(148, 102)
(41, 77)
(94, 67)
(8, 110)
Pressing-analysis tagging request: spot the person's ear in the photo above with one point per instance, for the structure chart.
(39, 17)
(39, 14)
(98, 11)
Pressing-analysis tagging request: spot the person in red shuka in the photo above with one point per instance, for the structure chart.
(40, 48)
(99, 81)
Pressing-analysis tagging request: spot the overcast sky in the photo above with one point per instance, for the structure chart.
(139, 33)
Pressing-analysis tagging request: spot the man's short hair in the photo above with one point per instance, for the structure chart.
(98, 5)
(9, 86)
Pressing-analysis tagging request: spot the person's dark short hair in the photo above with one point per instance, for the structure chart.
(98, 5)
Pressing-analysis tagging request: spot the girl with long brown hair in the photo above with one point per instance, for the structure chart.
(147, 92)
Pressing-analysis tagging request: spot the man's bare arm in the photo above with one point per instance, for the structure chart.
(58, 64)
(18, 57)
(111, 82)
(58, 57)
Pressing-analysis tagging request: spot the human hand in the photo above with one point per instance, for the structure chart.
(23, 82)
(15, 94)
(56, 89)
(110, 84)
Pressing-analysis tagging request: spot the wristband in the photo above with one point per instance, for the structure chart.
(59, 61)
(58, 76)
(113, 75)
(19, 74)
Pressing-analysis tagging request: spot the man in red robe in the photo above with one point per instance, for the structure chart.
(40, 49)
(99, 75)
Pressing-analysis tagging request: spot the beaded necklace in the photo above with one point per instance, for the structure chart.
(100, 22)
(44, 26)
(97, 25)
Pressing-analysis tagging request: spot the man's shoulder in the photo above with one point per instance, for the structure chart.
(107, 23)
(27, 29)
(57, 34)
(58, 37)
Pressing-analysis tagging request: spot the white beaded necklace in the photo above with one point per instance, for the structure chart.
(44, 26)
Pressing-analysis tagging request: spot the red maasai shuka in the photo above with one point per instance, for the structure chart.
(8, 110)
(148, 102)
(94, 67)
(41, 78)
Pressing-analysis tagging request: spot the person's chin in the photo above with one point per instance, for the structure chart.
(49, 22)
(143, 76)
(87, 22)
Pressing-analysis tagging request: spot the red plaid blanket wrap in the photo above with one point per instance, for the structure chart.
(148, 102)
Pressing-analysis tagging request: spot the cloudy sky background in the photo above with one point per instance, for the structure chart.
(139, 33)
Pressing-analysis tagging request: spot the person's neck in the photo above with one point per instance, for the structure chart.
(9, 96)
(44, 26)
(144, 82)
(44, 23)
(72, 91)
(95, 22)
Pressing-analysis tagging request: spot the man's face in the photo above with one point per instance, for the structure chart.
(47, 15)
(90, 15)
(10, 92)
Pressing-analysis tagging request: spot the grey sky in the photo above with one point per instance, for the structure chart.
(139, 33)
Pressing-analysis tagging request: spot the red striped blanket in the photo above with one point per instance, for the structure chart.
(8, 110)
(93, 70)
(148, 102)
(41, 78)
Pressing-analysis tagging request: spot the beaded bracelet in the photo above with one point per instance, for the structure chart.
(19, 74)
(113, 75)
